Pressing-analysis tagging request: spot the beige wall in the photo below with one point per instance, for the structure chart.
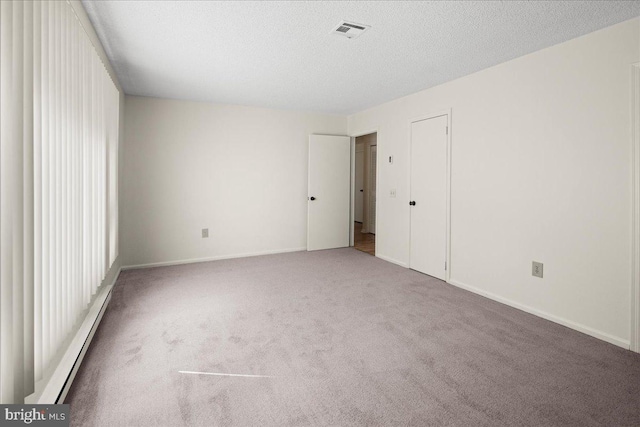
(541, 171)
(239, 171)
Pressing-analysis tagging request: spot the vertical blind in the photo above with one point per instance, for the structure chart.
(58, 186)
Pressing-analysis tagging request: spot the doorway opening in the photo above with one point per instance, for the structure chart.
(364, 213)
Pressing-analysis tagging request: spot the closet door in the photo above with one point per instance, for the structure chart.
(428, 201)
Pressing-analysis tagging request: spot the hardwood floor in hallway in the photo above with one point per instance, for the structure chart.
(365, 242)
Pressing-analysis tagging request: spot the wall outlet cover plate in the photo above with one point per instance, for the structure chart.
(537, 269)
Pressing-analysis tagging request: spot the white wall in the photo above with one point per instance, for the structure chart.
(541, 171)
(239, 171)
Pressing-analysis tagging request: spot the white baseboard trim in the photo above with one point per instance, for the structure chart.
(564, 322)
(213, 258)
(393, 261)
(57, 386)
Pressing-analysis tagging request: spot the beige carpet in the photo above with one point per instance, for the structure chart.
(343, 338)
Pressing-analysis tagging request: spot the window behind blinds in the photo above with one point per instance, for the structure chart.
(58, 185)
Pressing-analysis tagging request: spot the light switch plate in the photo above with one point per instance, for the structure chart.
(205, 233)
(536, 269)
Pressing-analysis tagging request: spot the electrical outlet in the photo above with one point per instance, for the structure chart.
(536, 269)
(205, 233)
(392, 193)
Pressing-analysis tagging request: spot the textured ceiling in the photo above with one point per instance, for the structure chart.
(282, 55)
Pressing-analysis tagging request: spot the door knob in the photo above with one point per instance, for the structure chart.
(312, 198)
(412, 203)
(361, 191)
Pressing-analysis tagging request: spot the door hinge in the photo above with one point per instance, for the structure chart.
(445, 265)
(447, 130)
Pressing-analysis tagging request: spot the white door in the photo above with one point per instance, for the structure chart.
(359, 210)
(429, 196)
(373, 170)
(329, 192)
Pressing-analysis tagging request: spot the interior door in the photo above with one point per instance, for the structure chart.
(428, 196)
(373, 170)
(329, 192)
(359, 209)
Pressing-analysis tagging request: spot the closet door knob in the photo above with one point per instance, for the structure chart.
(412, 203)
(312, 198)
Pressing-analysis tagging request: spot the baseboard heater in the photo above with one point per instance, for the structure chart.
(58, 385)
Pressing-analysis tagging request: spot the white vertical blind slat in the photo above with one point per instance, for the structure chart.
(37, 189)
(74, 178)
(28, 331)
(55, 172)
(85, 175)
(64, 167)
(17, 199)
(45, 185)
(6, 193)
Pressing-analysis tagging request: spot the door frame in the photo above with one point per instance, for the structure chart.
(370, 182)
(634, 342)
(433, 115)
(353, 183)
(356, 190)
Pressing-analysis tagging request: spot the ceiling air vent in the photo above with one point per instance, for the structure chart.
(350, 29)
